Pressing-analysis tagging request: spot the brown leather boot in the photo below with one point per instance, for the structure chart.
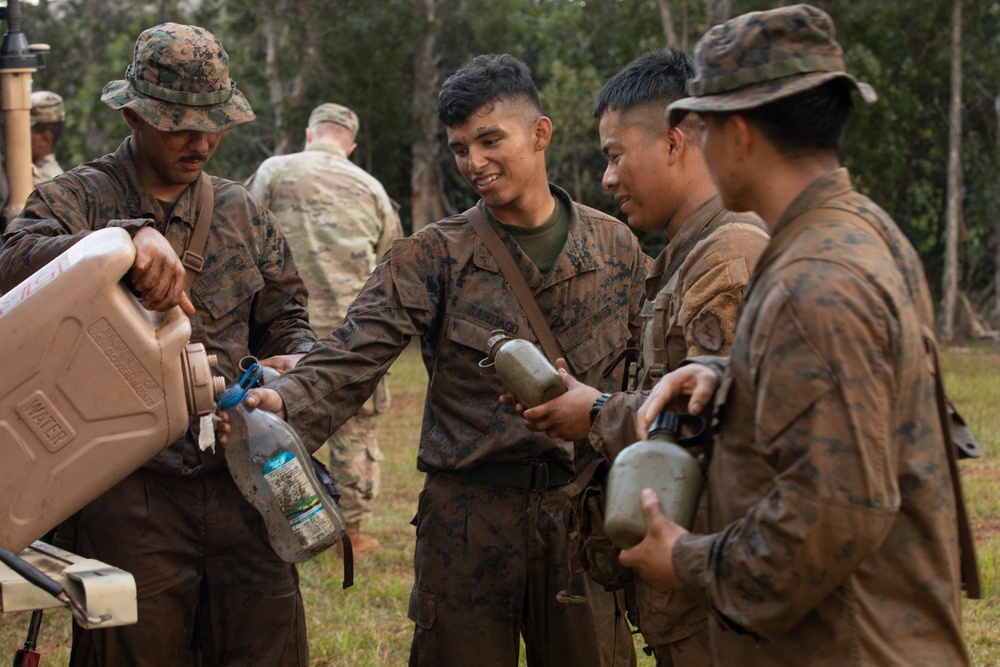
(361, 544)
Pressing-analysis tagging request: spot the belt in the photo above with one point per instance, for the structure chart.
(533, 475)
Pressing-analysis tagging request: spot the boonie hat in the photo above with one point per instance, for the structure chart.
(335, 113)
(46, 107)
(761, 57)
(179, 80)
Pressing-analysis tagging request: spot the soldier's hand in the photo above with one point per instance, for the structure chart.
(566, 417)
(282, 362)
(265, 399)
(157, 272)
(695, 382)
(222, 428)
(653, 557)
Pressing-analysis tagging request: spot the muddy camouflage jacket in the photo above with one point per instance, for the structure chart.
(443, 286)
(248, 297)
(835, 538)
(693, 293)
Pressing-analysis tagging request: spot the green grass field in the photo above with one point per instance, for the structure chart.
(366, 626)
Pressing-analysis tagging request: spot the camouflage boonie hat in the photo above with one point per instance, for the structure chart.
(179, 80)
(335, 113)
(47, 107)
(761, 57)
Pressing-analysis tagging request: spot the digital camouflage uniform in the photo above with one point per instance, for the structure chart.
(339, 221)
(693, 292)
(490, 561)
(46, 107)
(835, 534)
(210, 590)
(829, 482)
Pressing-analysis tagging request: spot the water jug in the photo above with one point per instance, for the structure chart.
(94, 385)
(523, 369)
(274, 473)
(657, 463)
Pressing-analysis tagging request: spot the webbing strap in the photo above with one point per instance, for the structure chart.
(193, 257)
(517, 283)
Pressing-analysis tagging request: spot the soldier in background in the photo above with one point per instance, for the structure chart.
(48, 115)
(657, 174)
(833, 533)
(338, 221)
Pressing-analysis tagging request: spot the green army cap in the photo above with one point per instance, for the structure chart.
(47, 107)
(761, 57)
(179, 80)
(335, 113)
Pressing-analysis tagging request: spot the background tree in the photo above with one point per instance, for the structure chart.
(380, 59)
(953, 213)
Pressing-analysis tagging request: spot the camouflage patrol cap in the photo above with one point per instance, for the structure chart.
(335, 113)
(179, 80)
(47, 107)
(761, 57)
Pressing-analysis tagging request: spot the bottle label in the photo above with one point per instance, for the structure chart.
(301, 507)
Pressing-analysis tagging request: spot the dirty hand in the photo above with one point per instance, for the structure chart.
(157, 272)
(566, 417)
(282, 362)
(695, 381)
(653, 558)
(222, 428)
(263, 399)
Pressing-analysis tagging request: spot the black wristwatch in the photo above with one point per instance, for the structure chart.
(596, 407)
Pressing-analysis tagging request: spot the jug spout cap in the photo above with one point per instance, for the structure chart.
(200, 385)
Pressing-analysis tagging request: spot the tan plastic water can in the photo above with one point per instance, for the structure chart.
(93, 385)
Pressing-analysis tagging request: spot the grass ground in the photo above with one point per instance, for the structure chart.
(366, 626)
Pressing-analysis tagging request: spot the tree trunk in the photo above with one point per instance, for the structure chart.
(287, 92)
(426, 199)
(953, 213)
(668, 23)
(995, 319)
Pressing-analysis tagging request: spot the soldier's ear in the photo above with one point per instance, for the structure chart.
(677, 143)
(542, 132)
(132, 119)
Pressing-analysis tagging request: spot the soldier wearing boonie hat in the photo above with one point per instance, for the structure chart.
(209, 586)
(832, 533)
(47, 117)
(179, 80)
(761, 57)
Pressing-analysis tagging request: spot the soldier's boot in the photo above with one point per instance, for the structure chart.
(361, 544)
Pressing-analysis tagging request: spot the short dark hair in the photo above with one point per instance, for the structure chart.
(810, 121)
(487, 78)
(656, 76)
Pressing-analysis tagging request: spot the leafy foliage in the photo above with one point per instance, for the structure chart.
(896, 149)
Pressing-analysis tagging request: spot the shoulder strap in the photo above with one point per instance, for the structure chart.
(194, 255)
(516, 281)
(967, 545)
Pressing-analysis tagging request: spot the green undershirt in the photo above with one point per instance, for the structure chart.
(543, 244)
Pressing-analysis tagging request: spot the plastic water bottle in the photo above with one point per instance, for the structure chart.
(274, 472)
(657, 463)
